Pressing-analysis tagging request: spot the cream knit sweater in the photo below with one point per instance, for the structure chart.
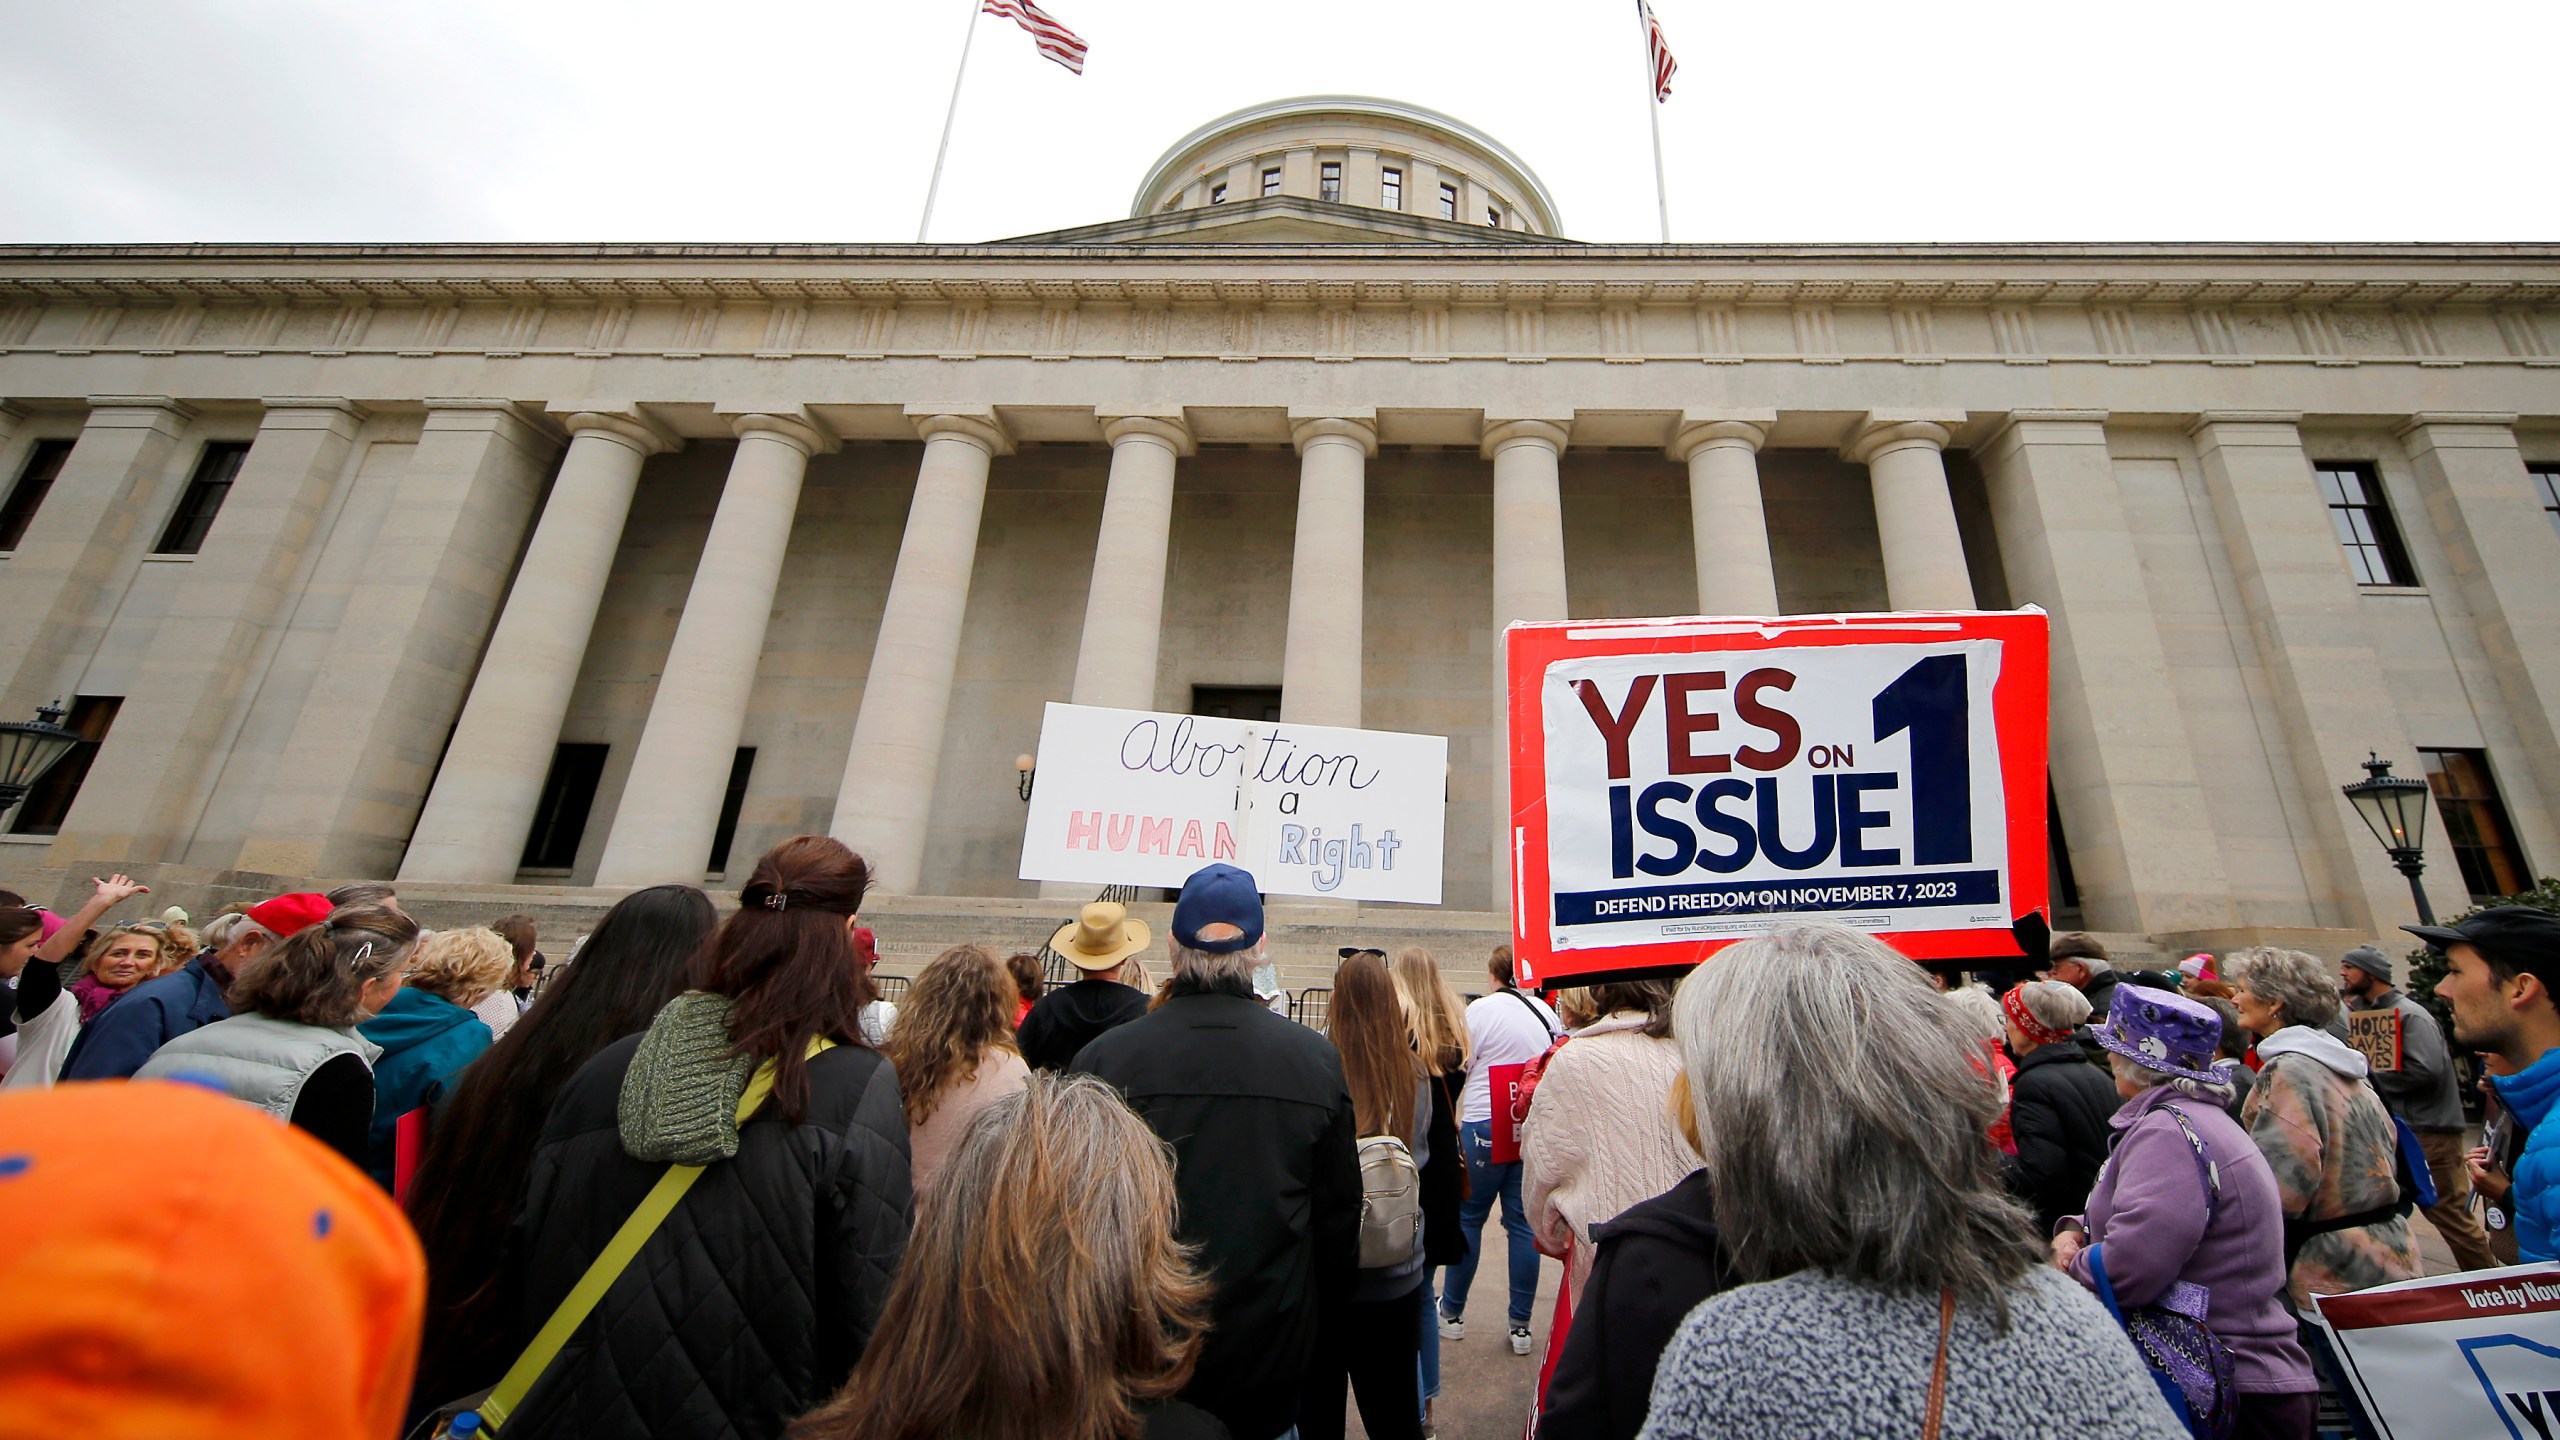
(1599, 1137)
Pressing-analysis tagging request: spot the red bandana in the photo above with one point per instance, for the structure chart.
(2014, 1004)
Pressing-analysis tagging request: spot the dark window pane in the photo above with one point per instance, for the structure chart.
(1237, 702)
(2475, 823)
(2546, 487)
(2066, 886)
(560, 818)
(2360, 514)
(726, 832)
(50, 799)
(43, 464)
(202, 500)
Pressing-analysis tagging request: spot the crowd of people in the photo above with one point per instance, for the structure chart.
(701, 1179)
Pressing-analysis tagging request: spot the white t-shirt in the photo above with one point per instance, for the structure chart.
(1505, 1032)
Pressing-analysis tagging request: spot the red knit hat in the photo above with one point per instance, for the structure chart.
(285, 914)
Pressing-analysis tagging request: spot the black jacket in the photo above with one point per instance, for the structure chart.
(1444, 1175)
(754, 1298)
(1066, 1019)
(1266, 1166)
(1654, 1263)
(2101, 995)
(2058, 1111)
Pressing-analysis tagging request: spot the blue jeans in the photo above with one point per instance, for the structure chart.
(1485, 1180)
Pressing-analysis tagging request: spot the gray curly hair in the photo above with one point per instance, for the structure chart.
(2303, 987)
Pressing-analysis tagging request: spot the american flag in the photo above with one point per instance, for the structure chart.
(1053, 39)
(1656, 49)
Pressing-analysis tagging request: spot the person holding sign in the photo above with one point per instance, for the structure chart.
(2413, 1070)
(2501, 966)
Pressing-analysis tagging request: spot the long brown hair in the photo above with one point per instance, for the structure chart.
(957, 1010)
(1043, 1295)
(1377, 1058)
(1431, 1011)
(318, 975)
(786, 961)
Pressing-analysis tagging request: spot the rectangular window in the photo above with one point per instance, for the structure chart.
(2361, 515)
(1218, 194)
(1391, 189)
(1493, 217)
(1236, 702)
(1329, 181)
(43, 464)
(1448, 202)
(560, 817)
(42, 811)
(2475, 823)
(2546, 488)
(205, 492)
(1271, 182)
(731, 802)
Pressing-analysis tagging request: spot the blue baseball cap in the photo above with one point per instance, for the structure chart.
(1218, 895)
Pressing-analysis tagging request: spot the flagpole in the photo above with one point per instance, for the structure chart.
(1652, 115)
(933, 186)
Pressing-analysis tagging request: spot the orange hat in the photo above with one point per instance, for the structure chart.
(184, 1265)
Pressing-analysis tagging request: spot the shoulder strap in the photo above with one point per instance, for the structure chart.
(1523, 997)
(608, 1266)
(1938, 1371)
(2206, 1170)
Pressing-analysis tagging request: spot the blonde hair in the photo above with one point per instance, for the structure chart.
(463, 966)
(1431, 1011)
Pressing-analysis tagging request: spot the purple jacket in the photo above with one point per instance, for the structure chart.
(2147, 1218)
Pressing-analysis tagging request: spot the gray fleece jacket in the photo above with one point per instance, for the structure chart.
(1816, 1355)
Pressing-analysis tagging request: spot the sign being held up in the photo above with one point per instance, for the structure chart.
(2376, 1035)
(2474, 1356)
(1677, 785)
(1134, 797)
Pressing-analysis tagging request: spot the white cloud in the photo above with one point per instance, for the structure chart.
(795, 121)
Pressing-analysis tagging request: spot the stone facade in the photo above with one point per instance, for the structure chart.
(866, 508)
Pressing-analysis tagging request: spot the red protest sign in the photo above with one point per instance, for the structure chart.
(1678, 785)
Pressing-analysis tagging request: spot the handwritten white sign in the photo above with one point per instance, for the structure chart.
(1133, 797)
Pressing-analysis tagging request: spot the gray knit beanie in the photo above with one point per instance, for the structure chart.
(2371, 961)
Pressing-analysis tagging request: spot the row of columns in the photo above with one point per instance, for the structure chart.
(483, 801)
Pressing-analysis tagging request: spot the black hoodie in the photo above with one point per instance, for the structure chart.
(1062, 1021)
(1656, 1261)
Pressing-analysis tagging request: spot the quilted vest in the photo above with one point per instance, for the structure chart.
(257, 1059)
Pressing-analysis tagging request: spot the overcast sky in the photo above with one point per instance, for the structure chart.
(776, 120)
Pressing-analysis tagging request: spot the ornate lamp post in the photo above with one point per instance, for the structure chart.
(1024, 767)
(2395, 810)
(27, 750)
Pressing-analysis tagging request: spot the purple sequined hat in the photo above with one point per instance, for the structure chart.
(2162, 1031)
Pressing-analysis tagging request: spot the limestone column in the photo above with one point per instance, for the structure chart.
(1124, 607)
(490, 784)
(2143, 842)
(885, 803)
(1320, 663)
(2321, 669)
(341, 800)
(2506, 563)
(1905, 456)
(117, 482)
(670, 808)
(204, 658)
(1528, 584)
(1735, 573)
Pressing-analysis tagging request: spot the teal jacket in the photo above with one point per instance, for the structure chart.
(426, 1040)
(2529, 1094)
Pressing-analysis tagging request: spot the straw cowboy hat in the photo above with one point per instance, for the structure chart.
(1100, 937)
